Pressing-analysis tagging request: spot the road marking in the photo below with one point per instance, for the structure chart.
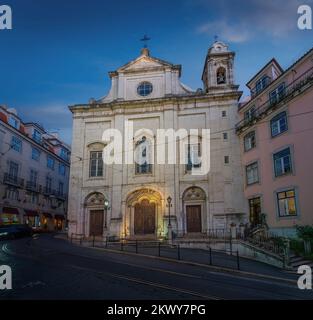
(149, 283)
(160, 270)
(33, 284)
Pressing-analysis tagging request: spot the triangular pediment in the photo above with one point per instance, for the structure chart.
(144, 62)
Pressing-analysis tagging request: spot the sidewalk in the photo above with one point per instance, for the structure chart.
(199, 256)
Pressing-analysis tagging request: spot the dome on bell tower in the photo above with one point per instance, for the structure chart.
(218, 47)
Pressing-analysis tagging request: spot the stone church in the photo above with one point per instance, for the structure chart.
(146, 199)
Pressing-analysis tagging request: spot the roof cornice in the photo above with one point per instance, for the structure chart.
(234, 94)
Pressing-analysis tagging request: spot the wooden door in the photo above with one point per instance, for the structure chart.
(255, 211)
(193, 214)
(144, 218)
(96, 222)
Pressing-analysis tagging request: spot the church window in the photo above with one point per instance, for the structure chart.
(96, 164)
(143, 156)
(221, 76)
(193, 154)
(144, 89)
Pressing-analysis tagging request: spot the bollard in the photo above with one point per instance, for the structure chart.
(238, 265)
(80, 240)
(93, 240)
(106, 242)
(178, 252)
(159, 245)
(122, 246)
(71, 237)
(210, 250)
(231, 246)
(136, 246)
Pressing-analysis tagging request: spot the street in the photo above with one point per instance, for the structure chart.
(45, 267)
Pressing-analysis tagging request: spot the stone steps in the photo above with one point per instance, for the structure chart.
(296, 261)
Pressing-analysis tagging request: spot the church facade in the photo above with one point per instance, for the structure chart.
(145, 199)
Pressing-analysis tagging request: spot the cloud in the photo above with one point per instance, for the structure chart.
(226, 31)
(244, 20)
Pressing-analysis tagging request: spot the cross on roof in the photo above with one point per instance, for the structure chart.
(145, 40)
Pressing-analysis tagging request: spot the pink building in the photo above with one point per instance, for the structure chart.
(276, 133)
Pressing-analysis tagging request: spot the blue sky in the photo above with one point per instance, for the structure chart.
(59, 52)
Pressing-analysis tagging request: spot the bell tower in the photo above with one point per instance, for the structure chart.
(218, 68)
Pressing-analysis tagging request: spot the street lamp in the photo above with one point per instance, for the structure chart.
(169, 227)
(106, 207)
(169, 205)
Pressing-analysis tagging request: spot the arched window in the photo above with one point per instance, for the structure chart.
(143, 156)
(193, 153)
(221, 75)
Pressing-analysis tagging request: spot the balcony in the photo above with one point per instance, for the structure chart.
(33, 186)
(299, 85)
(48, 191)
(60, 195)
(13, 180)
(54, 193)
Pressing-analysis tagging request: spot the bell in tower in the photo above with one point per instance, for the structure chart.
(218, 68)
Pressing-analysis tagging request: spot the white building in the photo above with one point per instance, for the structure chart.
(34, 171)
(130, 200)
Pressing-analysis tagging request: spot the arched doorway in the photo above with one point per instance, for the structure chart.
(194, 205)
(97, 215)
(144, 218)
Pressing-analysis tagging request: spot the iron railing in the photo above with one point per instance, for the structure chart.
(33, 186)
(13, 180)
(48, 191)
(219, 258)
(214, 233)
(52, 192)
(60, 195)
(272, 244)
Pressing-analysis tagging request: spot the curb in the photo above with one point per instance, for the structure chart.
(191, 263)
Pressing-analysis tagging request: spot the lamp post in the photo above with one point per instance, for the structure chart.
(106, 207)
(169, 226)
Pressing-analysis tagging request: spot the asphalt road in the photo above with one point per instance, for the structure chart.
(48, 268)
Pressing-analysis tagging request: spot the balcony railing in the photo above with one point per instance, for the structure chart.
(295, 87)
(60, 195)
(13, 180)
(48, 191)
(33, 186)
(51, 192)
